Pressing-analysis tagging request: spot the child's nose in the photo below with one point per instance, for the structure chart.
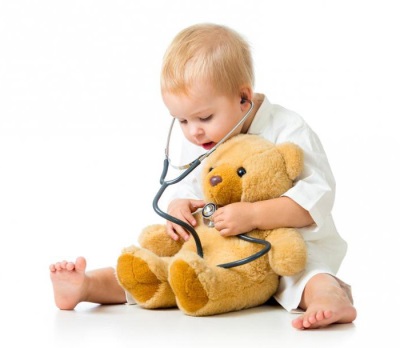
(196, 131)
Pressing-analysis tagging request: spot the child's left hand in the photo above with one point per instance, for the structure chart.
(234, 219)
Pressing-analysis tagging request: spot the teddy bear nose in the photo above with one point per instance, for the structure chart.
(215, 180)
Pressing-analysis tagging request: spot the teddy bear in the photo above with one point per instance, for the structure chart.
(164, 273)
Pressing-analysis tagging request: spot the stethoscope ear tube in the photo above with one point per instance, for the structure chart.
(209, 152)
(164, 171)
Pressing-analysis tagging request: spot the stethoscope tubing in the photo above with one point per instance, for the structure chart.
(209, 152)
(164, 185)
(190, 229)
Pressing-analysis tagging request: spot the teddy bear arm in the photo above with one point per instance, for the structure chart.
(288, 254)
(155, 239)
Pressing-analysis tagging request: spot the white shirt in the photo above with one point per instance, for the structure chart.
(314, 191)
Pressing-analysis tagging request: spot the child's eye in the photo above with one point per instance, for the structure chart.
(182, 121)
(205, 119)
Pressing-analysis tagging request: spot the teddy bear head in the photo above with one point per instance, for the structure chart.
(249, 168)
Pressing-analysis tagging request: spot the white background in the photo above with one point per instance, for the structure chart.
(83, 127)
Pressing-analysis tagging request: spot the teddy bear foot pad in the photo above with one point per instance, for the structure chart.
(136, 277)
(187, 287)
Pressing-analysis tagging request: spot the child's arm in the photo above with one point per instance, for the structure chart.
(243, 217)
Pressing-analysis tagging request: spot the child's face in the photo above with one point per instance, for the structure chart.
(205, 118)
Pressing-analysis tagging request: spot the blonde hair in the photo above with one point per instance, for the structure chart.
(207, 53)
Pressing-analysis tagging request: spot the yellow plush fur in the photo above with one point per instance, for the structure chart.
(163, 273)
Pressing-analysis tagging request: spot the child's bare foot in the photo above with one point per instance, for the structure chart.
(326, 302)
(69, 284)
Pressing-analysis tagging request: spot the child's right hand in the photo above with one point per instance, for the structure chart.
(182, 209)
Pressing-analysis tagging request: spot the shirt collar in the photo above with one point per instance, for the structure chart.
(262, 116)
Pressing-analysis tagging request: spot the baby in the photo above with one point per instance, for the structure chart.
(206, 84)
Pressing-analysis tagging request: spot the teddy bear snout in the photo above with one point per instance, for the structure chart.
(215, 180)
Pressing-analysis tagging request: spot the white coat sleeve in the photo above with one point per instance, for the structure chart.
(315, 188)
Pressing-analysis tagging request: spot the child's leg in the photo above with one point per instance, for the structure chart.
(325, 302)
(72, 285)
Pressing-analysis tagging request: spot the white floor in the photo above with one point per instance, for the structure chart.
(38, 322)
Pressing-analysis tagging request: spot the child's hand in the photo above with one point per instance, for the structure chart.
(234, 219)
(182, 209)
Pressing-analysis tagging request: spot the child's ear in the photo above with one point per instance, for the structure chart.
(246, 93)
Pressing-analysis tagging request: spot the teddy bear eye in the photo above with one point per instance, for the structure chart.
(211, 168)
(241, 171)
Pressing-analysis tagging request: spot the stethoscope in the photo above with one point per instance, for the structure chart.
(209, 208)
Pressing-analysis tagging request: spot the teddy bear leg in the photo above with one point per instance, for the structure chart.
(203, 290)
(190, 292)
(144, 275)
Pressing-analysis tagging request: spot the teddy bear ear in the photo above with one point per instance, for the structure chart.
(293, 156)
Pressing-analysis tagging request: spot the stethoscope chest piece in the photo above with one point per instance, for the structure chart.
(207, 211)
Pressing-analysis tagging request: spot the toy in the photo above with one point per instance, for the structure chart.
(164, 273)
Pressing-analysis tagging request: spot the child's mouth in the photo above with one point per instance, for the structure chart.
(208, 146)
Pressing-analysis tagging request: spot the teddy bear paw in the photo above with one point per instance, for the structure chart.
(135, 276)
(189, 291)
